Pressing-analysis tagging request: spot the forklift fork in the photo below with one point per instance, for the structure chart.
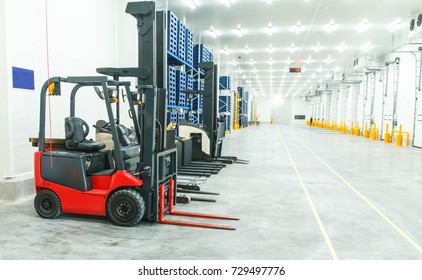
(171, 211)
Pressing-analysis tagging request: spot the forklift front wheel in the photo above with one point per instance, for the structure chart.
(47, 204)
(126, 207)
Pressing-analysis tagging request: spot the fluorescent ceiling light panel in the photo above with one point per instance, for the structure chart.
(367, 47)
(331, 26)
(395, 25)
(213, 32)
(227, 3)
(298, 27)
(342, 47)
(309, 60)
(239, 31)
(317, 48)
(362, 26)
(270, 28)
(194, 4)
(247, 50)
(292, 47)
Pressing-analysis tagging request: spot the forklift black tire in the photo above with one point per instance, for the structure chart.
(125, 207)
(47, 204)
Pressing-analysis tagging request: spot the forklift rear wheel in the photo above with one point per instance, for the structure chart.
(47, 204)
(126, 207)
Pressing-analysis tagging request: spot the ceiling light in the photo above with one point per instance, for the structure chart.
(367, 47)
(239, 70)
(342, 47)
(251, 62)
(247, 50)
(227, 2)
(269, 1)
(309, 60)
(319, 69)
(298, 27)
(239, 30)
(270, 49)
(288, 61)
(362, 26)
(337, 68)
(317, 48)
(226, 50)
(213, 33)
(292, 47)
(331, 27)
(270, 28)
(234, 62)
(395, 25)
(194, 4)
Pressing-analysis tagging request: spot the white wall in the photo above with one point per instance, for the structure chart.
(5, 150)
(80, 40)
(281, 109)
(263, 109)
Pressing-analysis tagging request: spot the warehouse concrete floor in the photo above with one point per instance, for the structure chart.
(308, 193)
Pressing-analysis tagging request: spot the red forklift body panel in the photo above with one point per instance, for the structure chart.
(92, 202)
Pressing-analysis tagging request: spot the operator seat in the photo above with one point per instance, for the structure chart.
(76, 130)
(129, 148)
(126, 136)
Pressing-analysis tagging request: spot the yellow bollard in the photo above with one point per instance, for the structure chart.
(366, 131)
(352, 129)
(374, 132)
(399, 138)
(387, 135)
(357, 130)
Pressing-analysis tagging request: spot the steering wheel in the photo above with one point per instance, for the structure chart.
(99, 93)
(105, 127)
(102, 129)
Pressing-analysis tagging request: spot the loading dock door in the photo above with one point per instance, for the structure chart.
(417, 142)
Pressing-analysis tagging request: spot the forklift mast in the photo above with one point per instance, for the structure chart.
(158, 162)
(211, 125)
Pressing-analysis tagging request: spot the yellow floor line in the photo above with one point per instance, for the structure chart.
(308, 197)
(367, 201)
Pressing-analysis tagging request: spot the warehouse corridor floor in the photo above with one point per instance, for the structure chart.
(308, 193)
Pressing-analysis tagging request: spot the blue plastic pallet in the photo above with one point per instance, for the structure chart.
(180, 116)
(225, 83)
(181, 40)
(191, 118)
(180, 85)
(171, 117)
(197, 98)
(201, 54)
(171, 86)
(189, 81)
(172, 33)
(189, 47)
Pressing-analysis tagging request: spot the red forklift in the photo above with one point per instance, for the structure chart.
(136, 179)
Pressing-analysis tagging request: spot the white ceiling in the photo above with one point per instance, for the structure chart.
(254, 17)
